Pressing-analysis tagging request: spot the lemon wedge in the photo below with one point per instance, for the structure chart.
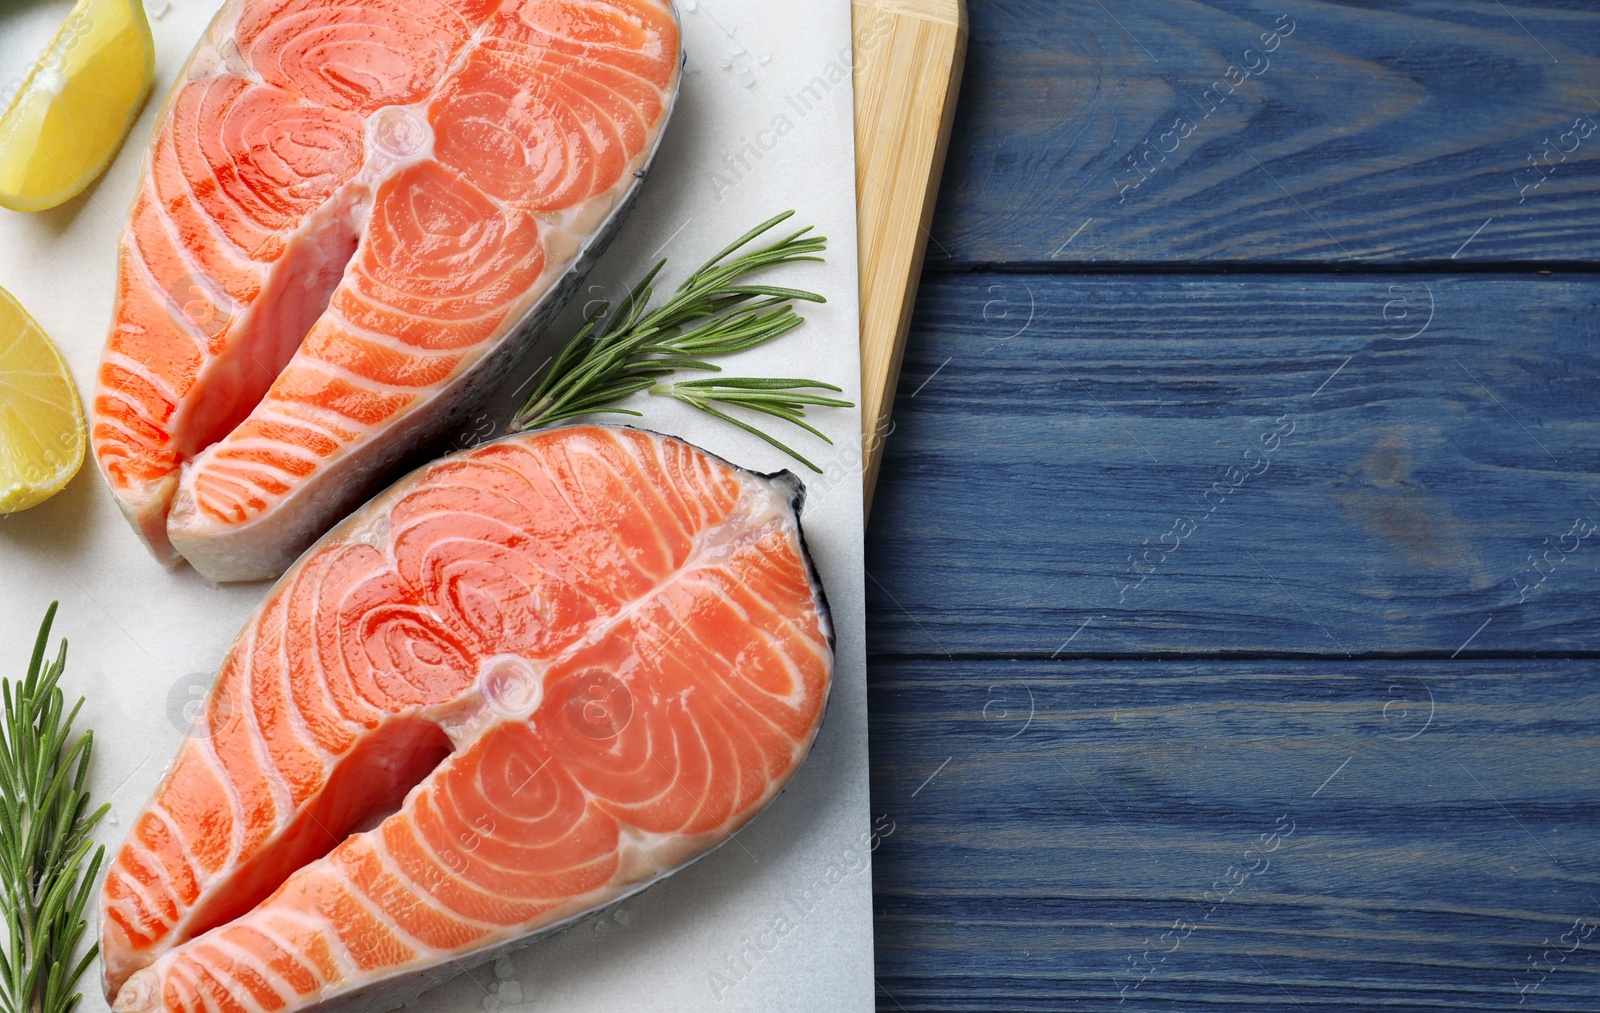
(72, 110)
(41, 419)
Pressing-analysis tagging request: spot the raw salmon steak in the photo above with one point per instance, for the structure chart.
(522, 683)
(354, 215)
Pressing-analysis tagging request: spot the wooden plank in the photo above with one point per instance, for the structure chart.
(1043, 825)
(1266, 463)
(1111, 132)
(908, 60)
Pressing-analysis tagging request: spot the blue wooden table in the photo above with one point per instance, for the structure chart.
(1234, 573)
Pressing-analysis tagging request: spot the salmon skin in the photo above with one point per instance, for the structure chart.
(354, 215)
(570, 662)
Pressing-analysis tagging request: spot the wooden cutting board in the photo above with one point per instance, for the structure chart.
(909, 55)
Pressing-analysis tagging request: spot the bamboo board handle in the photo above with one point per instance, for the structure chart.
(908, 60)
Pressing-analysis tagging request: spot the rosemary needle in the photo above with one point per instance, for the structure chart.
(713, 313)
(775, 397)
(44, 838)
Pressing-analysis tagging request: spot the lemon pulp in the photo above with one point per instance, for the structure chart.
(41, 419)
(72, 110)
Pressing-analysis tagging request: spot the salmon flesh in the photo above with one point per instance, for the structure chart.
(524, 682)
(354, 214)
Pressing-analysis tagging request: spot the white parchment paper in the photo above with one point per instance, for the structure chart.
(780, 918)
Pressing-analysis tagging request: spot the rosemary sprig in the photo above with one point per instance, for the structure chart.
(44, 838)
(615, 356)
(775, 397)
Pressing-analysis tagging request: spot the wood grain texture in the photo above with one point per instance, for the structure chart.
(1348, 133)
(1252, 464)
(1438, 831)
(1161, 561)
(908, 60)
